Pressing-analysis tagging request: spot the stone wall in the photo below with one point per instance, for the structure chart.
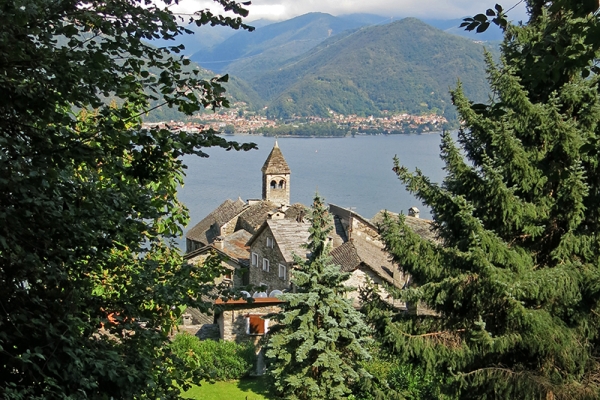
(359, 278)
(361, 229)
(270, 278)
(277, 195)
(229, 227)
(233, 323)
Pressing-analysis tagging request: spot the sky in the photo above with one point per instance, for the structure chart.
(425, 9)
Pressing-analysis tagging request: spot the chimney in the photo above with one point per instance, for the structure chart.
(218, 243)
(413, 212)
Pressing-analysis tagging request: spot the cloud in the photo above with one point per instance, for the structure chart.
(425, 9)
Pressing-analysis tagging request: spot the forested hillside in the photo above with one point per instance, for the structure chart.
(317, 63)
(236, 90)
(406, 66)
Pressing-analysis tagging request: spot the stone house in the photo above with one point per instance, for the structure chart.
(233, 250)
(272, 251)
(259, 239)
(239, 320)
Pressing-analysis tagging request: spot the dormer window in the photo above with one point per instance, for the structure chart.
(270, 242)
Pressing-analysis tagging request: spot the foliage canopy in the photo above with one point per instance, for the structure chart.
(515, 277)
(88, 205)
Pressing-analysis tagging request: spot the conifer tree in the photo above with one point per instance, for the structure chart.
(514, 279)
(319, 339)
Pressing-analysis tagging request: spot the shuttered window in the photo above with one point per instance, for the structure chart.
(256, 325)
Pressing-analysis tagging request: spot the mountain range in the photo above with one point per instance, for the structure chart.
(361, 64)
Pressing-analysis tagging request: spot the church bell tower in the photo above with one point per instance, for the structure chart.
(276, 178)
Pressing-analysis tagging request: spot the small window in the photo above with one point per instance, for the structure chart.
(255, 325)
(282, 184)
(254, 260)
(282, 272)
(265, 264)
(273, 184)
(228, 275)
(270, 242)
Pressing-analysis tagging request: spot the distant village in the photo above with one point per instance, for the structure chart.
(236, 120)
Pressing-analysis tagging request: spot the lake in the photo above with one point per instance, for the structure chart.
(351, 172)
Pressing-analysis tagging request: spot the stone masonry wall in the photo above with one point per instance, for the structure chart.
(270, 278)
(233, 323)
(359, 278)
(277, 195)
(364, 230)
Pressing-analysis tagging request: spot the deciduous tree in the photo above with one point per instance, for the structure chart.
(89, 274)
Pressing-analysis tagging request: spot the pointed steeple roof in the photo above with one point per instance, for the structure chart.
(275, 163)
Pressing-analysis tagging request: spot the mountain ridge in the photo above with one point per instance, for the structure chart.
(366, 71)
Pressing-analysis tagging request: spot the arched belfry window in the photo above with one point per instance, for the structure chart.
(273, 184)
(282, 184)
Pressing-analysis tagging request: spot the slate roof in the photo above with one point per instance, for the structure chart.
(359, 251)
(208, 229)
(422, 227)
(235, 246)
(345, 213)
(296, 211)
(253, 217)
(340, 233)
(275, 163)
(198, 317)
(290, 236)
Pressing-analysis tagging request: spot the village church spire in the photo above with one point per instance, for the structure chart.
(276, 178)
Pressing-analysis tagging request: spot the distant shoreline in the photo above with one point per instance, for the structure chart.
(330, 136)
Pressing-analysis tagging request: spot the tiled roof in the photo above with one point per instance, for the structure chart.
(422, 227)
(346, 257)
(208, 229)
(275, 163)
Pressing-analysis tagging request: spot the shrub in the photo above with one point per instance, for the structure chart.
(393, 380)
(219, 360)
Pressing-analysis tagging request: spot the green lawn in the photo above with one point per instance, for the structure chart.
(250, 389)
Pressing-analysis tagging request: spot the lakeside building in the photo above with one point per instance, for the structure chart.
(258, 239)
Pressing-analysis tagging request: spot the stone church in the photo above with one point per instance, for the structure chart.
(258, 239)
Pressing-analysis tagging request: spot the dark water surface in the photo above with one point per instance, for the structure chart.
(349, 172)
